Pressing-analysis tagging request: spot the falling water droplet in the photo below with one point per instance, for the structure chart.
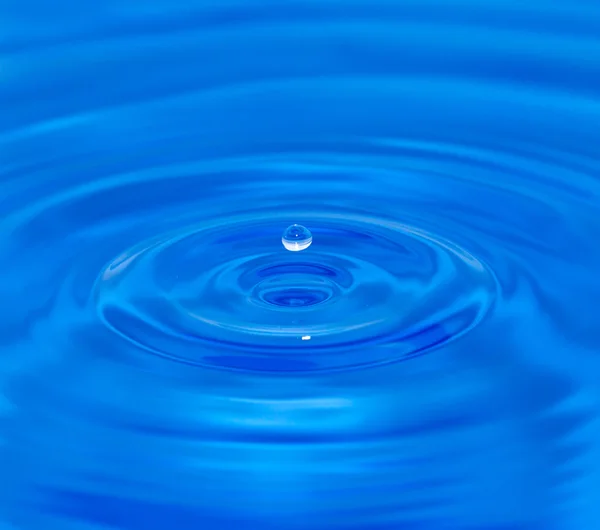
(296, 237)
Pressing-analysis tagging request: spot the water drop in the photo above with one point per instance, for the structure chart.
(296, 237)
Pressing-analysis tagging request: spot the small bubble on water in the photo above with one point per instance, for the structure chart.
(296, 237)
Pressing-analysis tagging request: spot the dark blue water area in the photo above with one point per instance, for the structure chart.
(429, 360)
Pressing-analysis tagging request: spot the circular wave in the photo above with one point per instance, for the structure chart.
(227, 286)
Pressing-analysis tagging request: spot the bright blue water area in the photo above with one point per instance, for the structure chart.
(430, 361)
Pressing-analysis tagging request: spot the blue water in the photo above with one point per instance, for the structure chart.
(431, 361)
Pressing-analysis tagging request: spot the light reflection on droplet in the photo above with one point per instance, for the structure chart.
(296, 237)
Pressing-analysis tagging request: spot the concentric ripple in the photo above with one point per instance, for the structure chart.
(430, 359)
(228, 286)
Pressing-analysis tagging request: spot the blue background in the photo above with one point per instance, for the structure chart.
(155, 370)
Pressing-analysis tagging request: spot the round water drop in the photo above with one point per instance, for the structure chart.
(296, 237)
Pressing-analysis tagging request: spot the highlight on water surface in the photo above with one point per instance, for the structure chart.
(296, 237)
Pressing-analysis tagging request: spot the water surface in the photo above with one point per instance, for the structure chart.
(430, 361)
